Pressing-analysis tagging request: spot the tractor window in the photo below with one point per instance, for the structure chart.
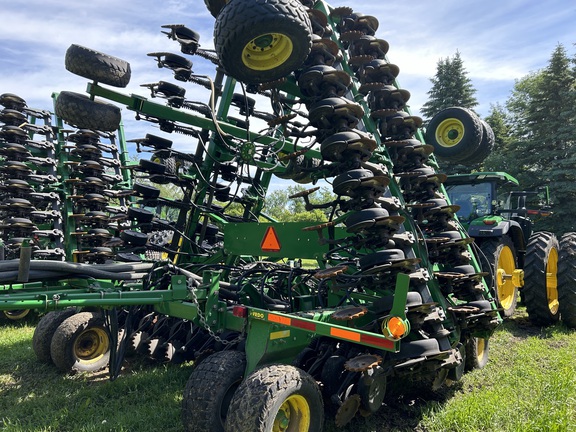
(474, 200)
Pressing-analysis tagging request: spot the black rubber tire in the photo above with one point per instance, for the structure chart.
(209, 390)
(97, 66)
(477, 352)
(215, 6)
(567, 279)
(540, 293)
(332, 374)
(16, 315)
(80, 111)
(169, 162)
(84, 330)
(493, 248)
(468, 138)
(485, 147)
(44, 331)
(259, 398)
(243, 21)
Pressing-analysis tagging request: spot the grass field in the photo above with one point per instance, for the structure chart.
(528, 385)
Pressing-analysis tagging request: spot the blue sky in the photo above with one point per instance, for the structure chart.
(499, 41)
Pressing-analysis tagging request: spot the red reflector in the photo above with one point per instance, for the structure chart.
(372, 340)
(270, 242)
(304, 325)
(240, 311)
(489, 222)
(532, 212)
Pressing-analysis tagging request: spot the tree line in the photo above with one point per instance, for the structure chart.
(534, 129)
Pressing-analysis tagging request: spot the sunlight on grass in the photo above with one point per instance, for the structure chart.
(528, 385)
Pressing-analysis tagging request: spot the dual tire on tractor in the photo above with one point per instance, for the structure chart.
(501, 256)
(540, 292)
(567, 279)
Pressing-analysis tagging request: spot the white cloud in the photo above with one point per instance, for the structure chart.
(499, 41)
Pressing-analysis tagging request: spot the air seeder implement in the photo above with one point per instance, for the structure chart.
(173, 256)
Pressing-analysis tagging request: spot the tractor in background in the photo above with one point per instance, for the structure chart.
(501, 221)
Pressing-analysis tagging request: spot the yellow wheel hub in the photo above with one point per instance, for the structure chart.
(450, 132)
(91, 345)
(552, 281)
(505, 288)
(293, 415)
(267, 51)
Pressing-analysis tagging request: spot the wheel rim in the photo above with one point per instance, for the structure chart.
(480, 349)
(16, 315)
(505, 288)
(552, 281)
(293, 415)
(450, 132)
(267, 51)
(91, 345)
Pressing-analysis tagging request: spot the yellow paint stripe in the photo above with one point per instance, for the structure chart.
(279, 334)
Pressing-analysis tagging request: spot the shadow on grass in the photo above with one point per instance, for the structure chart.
(520, 326)
(37, 397)
(405, 404)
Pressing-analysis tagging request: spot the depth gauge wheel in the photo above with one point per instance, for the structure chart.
(455, 133)
(501, 256)
(209, 391)
(81, 343)
(97, 66)
(262, 40)
(540, 292)
(276, 398)
(567, 279)
(80, 111)
(477, 350)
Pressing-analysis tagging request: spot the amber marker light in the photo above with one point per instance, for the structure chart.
(395, 328)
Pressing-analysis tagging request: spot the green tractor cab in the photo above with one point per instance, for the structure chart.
(501, 220)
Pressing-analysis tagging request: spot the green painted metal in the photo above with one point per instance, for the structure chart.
(248, 238)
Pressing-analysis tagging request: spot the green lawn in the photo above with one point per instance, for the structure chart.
(528, 385)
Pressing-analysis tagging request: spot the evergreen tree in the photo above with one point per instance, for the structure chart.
(499, 159)
(543, 107)
(451, 86)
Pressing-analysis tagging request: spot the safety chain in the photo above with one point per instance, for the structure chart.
(205, 325)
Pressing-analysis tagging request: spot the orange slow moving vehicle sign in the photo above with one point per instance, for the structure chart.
(270, 242)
